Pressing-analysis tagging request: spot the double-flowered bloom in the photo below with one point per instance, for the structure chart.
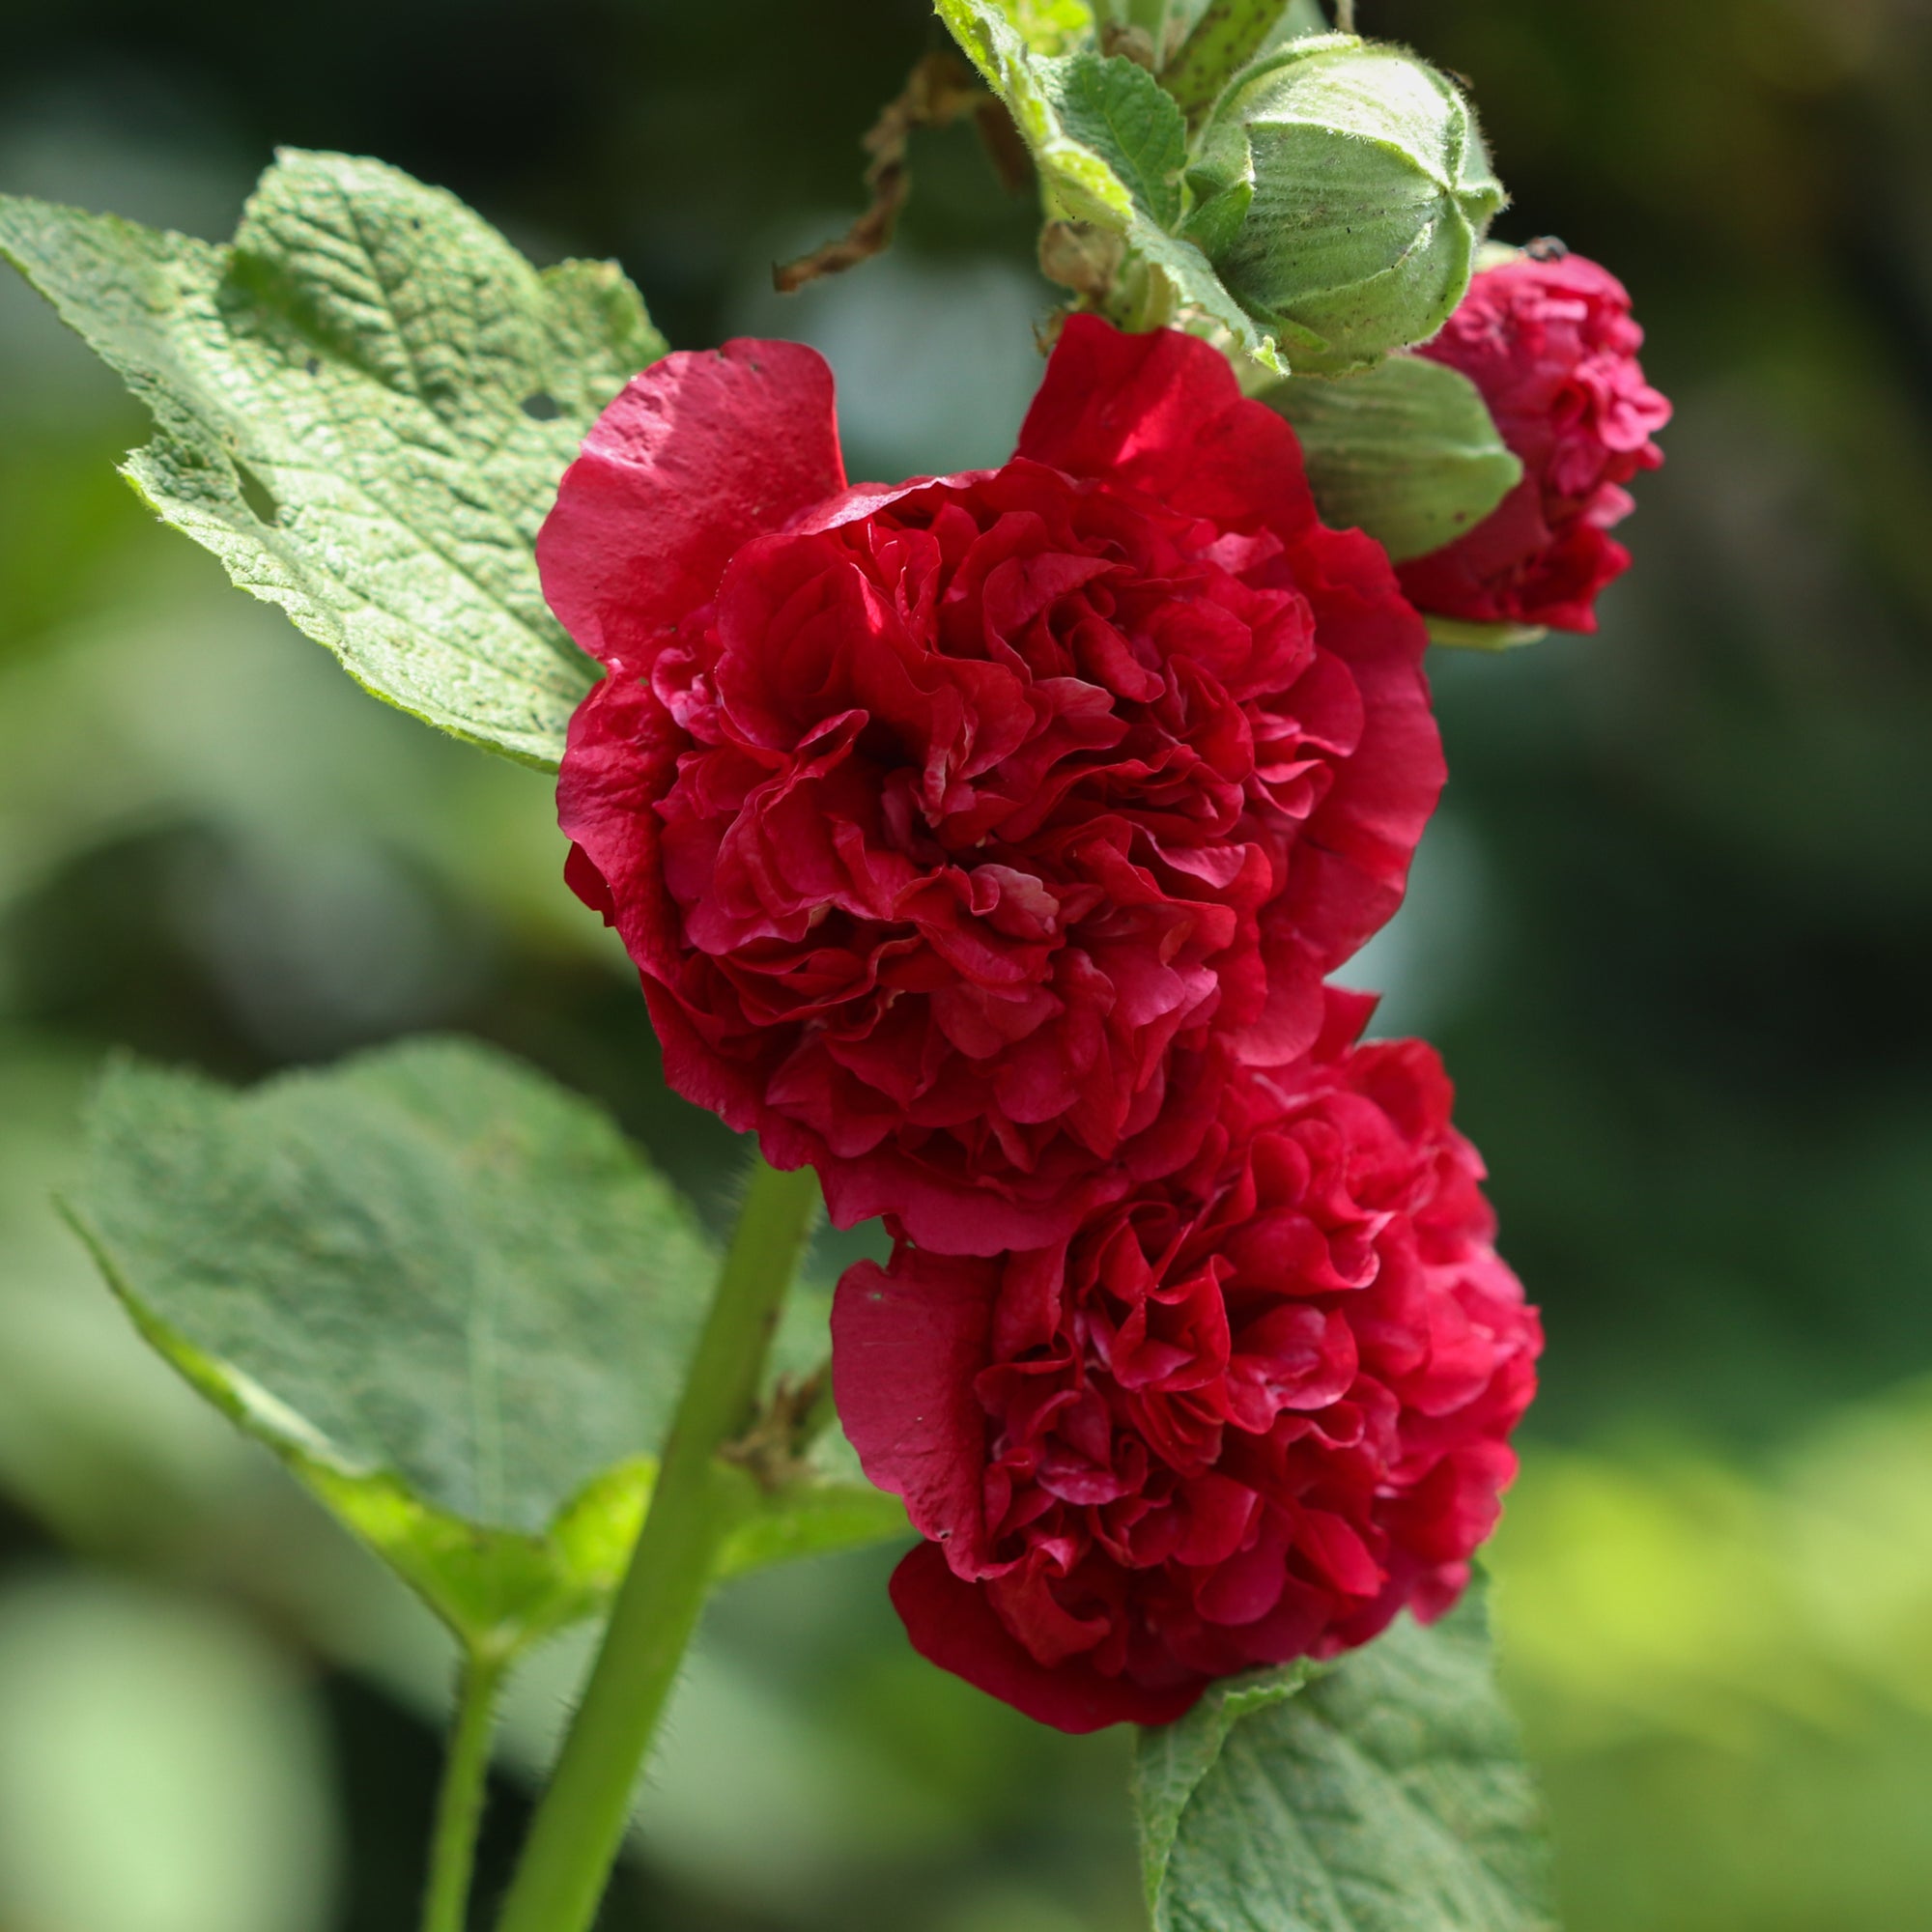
(1549, 341)
(1242, 1416)
(966, 833)
(985, 842)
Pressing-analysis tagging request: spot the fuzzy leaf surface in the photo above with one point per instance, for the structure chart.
(1120, 112)
(1387, 1795)
(362, 406)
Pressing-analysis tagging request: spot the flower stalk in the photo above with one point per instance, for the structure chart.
(581, 1821)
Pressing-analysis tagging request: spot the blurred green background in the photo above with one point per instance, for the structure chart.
(1670, 929)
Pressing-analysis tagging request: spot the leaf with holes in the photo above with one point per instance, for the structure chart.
(451, 1296)
(362, 407)
(1385, 1792)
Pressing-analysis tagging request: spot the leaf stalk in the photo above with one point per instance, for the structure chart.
(459, 1809)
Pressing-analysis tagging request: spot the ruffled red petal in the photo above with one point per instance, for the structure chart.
(1162, 413)
(952, 1624)
(701, 452)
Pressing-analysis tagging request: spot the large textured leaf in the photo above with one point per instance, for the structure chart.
(1109, 144)
(451, 1296)
(1405, 450)
(362, 407)
(1387, 1796)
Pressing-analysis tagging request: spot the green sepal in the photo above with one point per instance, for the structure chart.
(362, 407)
(1219, 208)
(1464, 634)
(1405, 449)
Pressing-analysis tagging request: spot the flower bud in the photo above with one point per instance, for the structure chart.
(1341, 189)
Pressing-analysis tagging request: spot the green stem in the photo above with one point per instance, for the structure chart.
(1225, 37)
(459, 1809)
(580, 1822)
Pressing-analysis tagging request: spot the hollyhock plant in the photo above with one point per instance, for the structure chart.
(967, 832)
(986, 844)
(1243, 1415)
(1549, 340)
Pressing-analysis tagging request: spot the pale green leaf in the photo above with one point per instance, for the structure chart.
(362, 408)
(1405, 450)
(1051, 26)
(1389, 1795)
(453, 1298)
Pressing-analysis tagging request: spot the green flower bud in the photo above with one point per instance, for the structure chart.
(1341, 189)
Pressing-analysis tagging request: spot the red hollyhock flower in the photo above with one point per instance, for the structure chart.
(964, 831)
(1242, 1416)
(1551, 346)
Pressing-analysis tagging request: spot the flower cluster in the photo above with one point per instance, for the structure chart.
(987, 842)
(965, 832)
(1241, 1417)
(1549, 340)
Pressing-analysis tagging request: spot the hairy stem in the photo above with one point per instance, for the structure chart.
(459, 1809)
(581, 1821)
(1225, 39)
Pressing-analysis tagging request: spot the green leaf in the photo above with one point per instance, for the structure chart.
(1170, 1761)
(1389, 1795)
(450, 1296)
(1405, 450)
(362, 408)
(1109, 144)
(1120, 112)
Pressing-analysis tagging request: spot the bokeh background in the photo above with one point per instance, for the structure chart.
(1671, 930)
